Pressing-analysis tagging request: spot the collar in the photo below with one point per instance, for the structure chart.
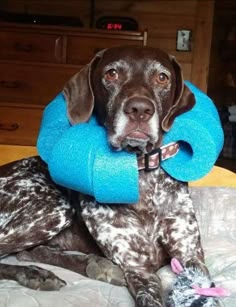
(152, 160)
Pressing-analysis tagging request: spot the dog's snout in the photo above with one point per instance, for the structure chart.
(139, 109)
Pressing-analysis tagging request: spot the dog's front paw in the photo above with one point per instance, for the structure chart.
(38, 279)
(145, 299)
(105, 270)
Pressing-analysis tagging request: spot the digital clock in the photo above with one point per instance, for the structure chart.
(116, 23)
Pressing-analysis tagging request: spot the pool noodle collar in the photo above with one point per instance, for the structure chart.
(80, 158)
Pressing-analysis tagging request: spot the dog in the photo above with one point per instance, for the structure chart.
(135, 93)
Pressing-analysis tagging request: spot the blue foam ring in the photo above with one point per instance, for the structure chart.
(72, 157)
(80, 158)
(203, 102)
(119, 173)
(53, 125)
(83, 161)
(201, 140)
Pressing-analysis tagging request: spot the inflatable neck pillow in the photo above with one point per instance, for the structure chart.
(80, 158)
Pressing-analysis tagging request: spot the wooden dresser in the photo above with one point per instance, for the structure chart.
(35, 63)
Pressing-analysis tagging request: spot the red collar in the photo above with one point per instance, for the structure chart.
(152, 160)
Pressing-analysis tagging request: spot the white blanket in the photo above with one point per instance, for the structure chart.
(216, 212)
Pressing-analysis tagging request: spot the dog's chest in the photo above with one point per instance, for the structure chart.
(153, 192)
(148, 188)
(159, 196)
(129, 224)
(147, 211)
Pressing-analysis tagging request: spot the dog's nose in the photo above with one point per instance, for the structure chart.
(139, 109)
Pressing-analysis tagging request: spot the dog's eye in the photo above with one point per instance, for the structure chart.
(162, 78)
(111, 75)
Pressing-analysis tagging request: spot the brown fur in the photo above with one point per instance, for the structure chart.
(136, 93)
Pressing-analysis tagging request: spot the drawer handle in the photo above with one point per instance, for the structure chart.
(58, 49)
(10, 84)
(9, 127)
(23, 47)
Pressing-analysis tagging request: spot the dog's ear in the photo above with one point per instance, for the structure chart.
(184, 99)
(78, 93)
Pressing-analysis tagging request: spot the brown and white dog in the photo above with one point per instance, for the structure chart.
(135, 93)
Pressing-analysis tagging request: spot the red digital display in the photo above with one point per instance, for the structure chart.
(117, 23)
(114, 26)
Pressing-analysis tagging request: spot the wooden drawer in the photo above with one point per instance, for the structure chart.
(80, 50)
(30, 47)
(19, 125)
(32, 84)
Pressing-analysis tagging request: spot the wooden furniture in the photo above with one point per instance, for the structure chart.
(35, 63)
(10, 153)
(162, 19)
(217, 177)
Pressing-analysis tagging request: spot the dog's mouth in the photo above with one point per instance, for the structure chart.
(134, 136)
(136, 141)
(138, 135)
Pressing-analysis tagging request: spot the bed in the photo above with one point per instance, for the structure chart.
(214, 198)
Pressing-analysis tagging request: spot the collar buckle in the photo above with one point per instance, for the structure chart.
(152, 160)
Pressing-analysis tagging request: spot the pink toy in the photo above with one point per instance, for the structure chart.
(192, 288)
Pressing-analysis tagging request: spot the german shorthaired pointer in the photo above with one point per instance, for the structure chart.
(135, 93)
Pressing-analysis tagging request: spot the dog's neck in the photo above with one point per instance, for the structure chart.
(152, 160)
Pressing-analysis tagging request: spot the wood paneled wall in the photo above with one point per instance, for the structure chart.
(222, 74)
(162, 19)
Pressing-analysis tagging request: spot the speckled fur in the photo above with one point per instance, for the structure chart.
(32, 209)
(140, 237)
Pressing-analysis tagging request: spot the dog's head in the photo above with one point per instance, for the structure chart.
(135, 92)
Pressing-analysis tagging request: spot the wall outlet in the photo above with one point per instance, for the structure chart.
(184, 38)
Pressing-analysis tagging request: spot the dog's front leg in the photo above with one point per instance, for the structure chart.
(144, 286)
(179, 232)
(89, 265)
(181, 239)
(123, 238)
(31, 277)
